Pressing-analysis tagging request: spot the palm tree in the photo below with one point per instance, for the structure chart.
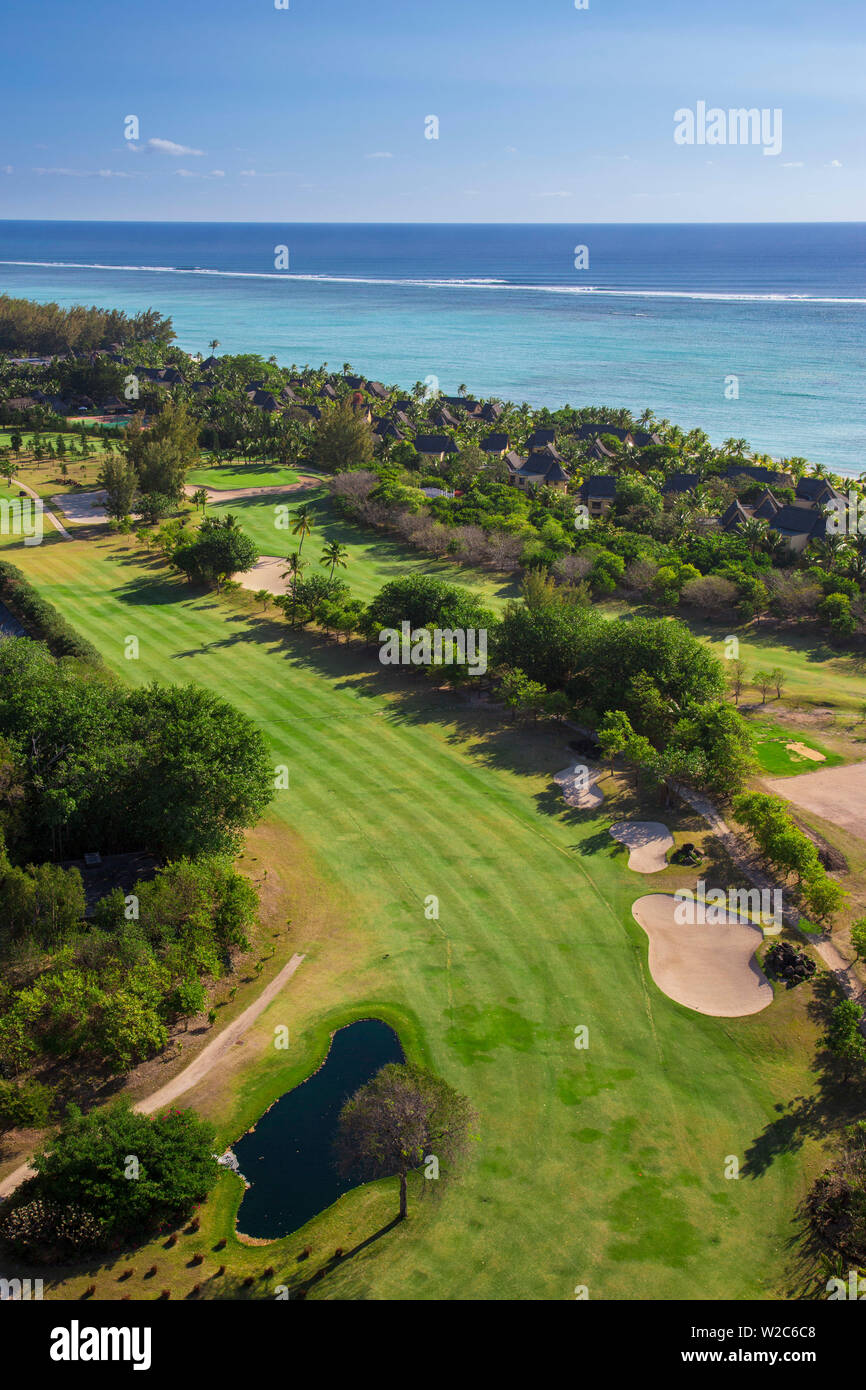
(334, 554)
(295, 568)
(753, 532)
(828, 549)
(199, 499)
(740, 447)
(302, 525)
(213, 345)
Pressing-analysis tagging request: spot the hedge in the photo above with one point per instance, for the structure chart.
(31, 609)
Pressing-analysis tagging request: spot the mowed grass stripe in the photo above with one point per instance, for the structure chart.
(602, 1167)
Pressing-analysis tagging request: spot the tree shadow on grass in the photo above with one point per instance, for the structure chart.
(833, 1106)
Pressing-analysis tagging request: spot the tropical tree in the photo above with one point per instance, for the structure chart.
(754, 532)
(302, 525)
(200, 499)
(295, 567)
(334, 554)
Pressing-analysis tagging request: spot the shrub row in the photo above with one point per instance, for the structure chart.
(42, 618)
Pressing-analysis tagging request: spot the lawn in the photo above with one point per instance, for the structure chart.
(237, 473)
(373, 558)
(815, 673)
(777, 760)
(602, 1167)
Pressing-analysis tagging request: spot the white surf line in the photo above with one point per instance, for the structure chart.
(51, 517)
(194, 1071)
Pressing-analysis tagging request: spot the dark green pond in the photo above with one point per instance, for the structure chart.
(288, 1158)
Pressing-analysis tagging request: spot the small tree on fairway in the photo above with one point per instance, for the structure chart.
(764, 681)
(858, 936)
(402, 1117)
(844, 1038)
(738, 680)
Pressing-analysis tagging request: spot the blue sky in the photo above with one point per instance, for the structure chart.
(317, 113)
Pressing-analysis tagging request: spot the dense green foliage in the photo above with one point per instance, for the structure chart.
(105, 990)
(109, 1177)
(172, 769)
(26, 326)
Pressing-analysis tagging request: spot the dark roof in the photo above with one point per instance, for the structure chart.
(386, 429)
(770, 476)
(209, 363)
(643, 439)
(767, 507)
(265, 400)
(542, 464)
(593, 431)
(682, 482)
(602, 486)
(601, 451)
(816, 490)
(799, 521)
(375, 388)
(491, 411)
(514, 461)
(494, 443)
(443, 416)
(733, 516)
(544, 453)
(540, 437)
(435, 444)
(356, 382)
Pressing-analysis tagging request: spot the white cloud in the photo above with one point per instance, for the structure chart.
(835, 164)
(7, 169)
(87, 173)
(169, 147)
(217, 173)
(248, 173)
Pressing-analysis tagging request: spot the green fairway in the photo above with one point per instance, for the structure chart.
(373, 559)
(777, 760)
(603, 1166)
(240, 474)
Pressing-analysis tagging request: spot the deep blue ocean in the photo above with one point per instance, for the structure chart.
(662, 316)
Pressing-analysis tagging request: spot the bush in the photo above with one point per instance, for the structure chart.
(81, 1184)
(25, 1104)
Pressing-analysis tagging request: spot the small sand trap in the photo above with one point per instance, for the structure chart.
(804, 752)
(708, 968)
(648, 841)
(265, 574)
(234, 494)
(85, 507)
(578, 786)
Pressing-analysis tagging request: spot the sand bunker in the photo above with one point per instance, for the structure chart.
(86, 507)
(803, 751)
(708, 968)
(578, 786)
(233, 494)
(648, 842)
(265, 574)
